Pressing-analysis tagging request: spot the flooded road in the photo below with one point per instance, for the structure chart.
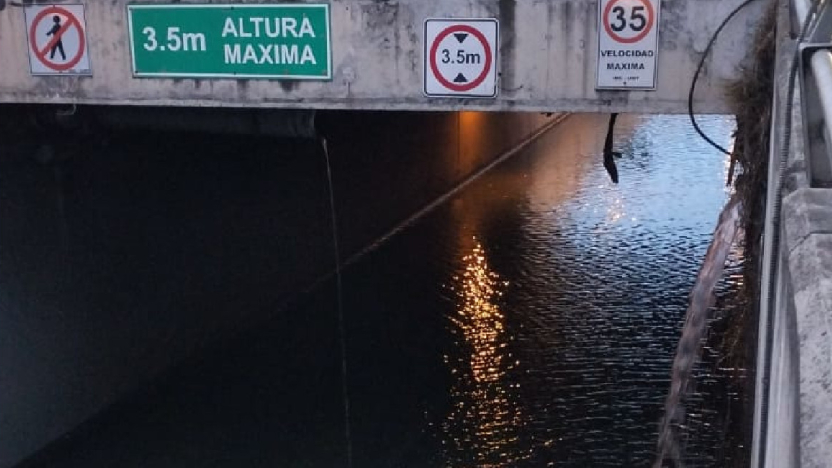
(530, 321)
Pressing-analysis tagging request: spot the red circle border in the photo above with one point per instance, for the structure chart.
(651, 15)
(435, 68)
(73, 21)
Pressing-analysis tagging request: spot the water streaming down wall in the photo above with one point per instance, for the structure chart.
(696, 322)
(741, 222)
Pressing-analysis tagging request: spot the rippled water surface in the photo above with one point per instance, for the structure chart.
(530, 321)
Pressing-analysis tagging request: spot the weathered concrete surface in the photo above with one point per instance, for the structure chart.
(807, 216)
(799, 418)
(547, 60)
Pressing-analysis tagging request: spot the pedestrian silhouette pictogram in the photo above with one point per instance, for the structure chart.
(59, 45)
(57, 39)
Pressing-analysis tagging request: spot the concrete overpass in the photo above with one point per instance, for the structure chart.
(545, 59)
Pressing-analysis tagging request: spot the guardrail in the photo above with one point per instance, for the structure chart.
(793, 407)
(816, 92)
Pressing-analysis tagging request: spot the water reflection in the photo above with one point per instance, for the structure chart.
(483, 426)
(600, 275)
(567, 366)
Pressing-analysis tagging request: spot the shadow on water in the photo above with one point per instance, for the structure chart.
(530, 321)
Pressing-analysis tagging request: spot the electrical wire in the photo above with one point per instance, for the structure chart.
(776, 202)
(699, 70)
(778, 194)
(342, 332)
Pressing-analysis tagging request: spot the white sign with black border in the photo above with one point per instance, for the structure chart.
(57, 39)
(460, 57)
(628, 40)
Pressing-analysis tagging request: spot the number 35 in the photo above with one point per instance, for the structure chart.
(637, 20)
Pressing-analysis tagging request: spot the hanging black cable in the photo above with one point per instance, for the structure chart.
(699, 70)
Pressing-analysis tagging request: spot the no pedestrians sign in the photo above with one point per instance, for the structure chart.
(57, 37)
(461, 57)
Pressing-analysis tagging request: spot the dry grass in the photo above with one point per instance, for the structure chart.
(751, 98)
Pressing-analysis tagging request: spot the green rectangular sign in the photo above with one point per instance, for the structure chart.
(284, 41)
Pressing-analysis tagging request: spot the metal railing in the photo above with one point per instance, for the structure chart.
(777, 431)
(816, 92)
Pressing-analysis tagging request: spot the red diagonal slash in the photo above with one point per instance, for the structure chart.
(71, 21)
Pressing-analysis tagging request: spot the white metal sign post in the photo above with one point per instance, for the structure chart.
(628, 40)
(57, 39)
(461, 57)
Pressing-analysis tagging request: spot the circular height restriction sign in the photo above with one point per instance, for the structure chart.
(57, 39)
(460, 58)
(627, 44)
(628, 21)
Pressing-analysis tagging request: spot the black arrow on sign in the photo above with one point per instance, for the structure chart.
(461, 37)
(460, 79)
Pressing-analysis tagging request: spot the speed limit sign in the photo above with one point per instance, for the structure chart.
(628, 40)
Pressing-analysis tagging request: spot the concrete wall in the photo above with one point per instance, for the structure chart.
(547, 60)
(800, 402)
(123, 253)
(795, 430)
(808, 254)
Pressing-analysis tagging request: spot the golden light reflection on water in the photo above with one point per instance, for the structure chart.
(482, 427)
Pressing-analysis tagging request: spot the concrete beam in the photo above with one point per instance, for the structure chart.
(807, 215)
(547, 60)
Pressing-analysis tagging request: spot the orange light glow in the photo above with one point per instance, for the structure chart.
(483, 426)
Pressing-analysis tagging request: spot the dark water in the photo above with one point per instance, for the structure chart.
(530, 321)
